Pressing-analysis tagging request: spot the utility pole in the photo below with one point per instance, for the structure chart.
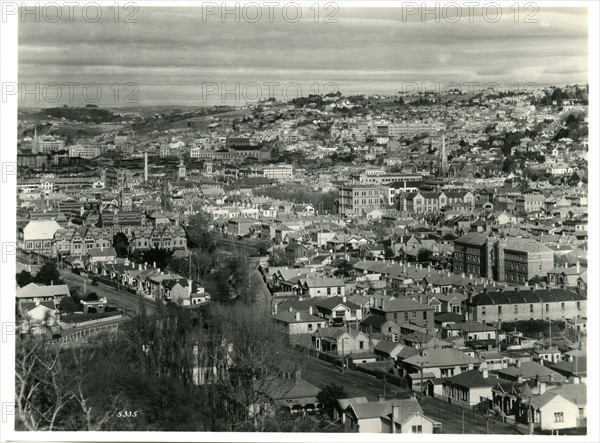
(343, 357)
(529, 417)
(384, 381)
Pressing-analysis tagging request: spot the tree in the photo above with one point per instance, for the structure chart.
(262, 247)
(24, 278)
(48, 274)
(256, 357)
(67, 304)
(279, 258)
(329, 396)
(160, 256)
(198, 234)
(344, 268)
(424, 255)
(509, 165)
(121, 244)
(92, 296)
(52, 389)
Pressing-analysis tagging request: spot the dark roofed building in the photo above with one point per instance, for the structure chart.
(472, 254)
(515, 305)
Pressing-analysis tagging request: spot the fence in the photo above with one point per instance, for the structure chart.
(86, 333)
(381, 374)
(116, 285)
(92, 322)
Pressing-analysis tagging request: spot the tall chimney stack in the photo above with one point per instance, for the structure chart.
(145, 167)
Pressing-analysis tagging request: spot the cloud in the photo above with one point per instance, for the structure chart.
(175, 47)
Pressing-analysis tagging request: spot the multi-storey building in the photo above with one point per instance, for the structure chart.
(47, 145)
(84, 151)
(521, 259)
(78, 242)
(414, 128)
(404, 186)
(406, 312)
(235, 153)
(473, 253)
(421, 202)
(33, 161)
(160, 236)
(275, 172)
(368, 178)
(359, 200)
(528, 203)
(531, 304)
(37, 236)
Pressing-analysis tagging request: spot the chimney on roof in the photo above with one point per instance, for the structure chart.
(484, 373)
(381, 398)
(578, 267)
(297, 316)
(541, 387)
(344, 299)
(310, 310)
(470, 276)
(291, 309)
(463, 275)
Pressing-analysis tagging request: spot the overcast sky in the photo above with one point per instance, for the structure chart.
(179, 56)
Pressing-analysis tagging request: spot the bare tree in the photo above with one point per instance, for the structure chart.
(255, 359)
(39, 393)
(50, 391)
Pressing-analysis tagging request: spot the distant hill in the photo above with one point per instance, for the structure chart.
(84, 115)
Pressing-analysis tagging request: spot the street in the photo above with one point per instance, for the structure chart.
(358, 384)
(124, 300)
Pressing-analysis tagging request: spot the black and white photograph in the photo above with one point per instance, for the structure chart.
(221, 219)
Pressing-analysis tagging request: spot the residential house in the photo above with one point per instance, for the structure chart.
(405, 311)
(469, 388)
(338, 310)
(436, 363)
(401, 416)
(322, 287)
(340, 341)
(298, 322)
(34, 293)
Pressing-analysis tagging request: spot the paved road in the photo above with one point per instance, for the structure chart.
(357, 384)
(129, 303)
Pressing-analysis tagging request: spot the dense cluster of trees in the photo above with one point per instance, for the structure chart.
(145, 377)
(47, 274)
